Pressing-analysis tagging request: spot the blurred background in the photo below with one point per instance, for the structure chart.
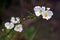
(47, 30)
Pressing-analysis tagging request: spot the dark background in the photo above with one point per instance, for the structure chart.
(9, 8)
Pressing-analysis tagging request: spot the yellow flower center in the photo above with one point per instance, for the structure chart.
(45, 14)
(10, 27)
(40, 11)
(15, 21)
(17, 28)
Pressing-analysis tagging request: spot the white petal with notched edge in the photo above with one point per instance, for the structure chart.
(47, 14)
(15, 20)
(18, 28)
(37, 8)
(9, 25)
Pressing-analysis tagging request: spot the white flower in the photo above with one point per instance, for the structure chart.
(9, 25)
(18, 28)
(39, 10)
(47, 14)
(15, 20)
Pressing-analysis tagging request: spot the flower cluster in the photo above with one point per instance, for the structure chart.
(14, 24)
(45, 12)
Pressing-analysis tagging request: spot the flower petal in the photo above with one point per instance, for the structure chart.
(37, 13)
(48, 8)
(6, 24)
(43, 8)
(37, 8)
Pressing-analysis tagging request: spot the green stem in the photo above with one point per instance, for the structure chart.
(3, 36)
(34, 34)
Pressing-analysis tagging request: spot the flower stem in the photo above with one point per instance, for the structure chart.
(4, 36)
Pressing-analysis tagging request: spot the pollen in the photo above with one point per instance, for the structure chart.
(17, 27)
(10, 27)
(40, 11)
(45, 14)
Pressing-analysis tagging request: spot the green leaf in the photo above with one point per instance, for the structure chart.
(29, 32)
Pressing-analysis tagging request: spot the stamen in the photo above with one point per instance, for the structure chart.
(40, 11)
(10, 26)
(17, 27)
(45, 14)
